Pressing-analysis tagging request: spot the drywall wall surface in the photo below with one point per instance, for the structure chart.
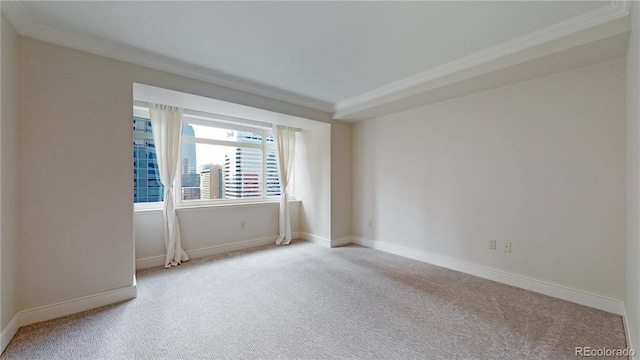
(313, 180)
(8, 173)
(75, 200)
(207, 227)
(340, 180)
(77, 227)
(632, 251)
(540, 164)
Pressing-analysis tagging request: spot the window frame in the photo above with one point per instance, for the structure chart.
(264, 146)
(230, 123)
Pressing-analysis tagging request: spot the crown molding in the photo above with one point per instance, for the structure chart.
(624, 6)
(20, 20)
(615, 10)
(16, 15)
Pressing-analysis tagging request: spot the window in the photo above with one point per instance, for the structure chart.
(227, 161)
(219, 161)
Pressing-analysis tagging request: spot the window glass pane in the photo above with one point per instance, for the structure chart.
(220, 172)
(269, 138)
(213, 133)
(273, 182)
(146, 179)
(243, 173)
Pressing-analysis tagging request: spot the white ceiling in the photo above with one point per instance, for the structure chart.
(327, 55)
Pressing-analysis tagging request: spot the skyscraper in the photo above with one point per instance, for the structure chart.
(212, 183)
(190, 178)
(243, 170)
(273, 179)
(188, 151)
(146, 179)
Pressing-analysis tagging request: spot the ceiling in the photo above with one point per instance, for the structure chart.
(342, 57)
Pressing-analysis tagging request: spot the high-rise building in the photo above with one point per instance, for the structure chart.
(243, 169)
(242, 173)
(273, 179)
(188, 152)
(146, 178)
(190, 178)
(190, 193)
(190, 186)
(212, 183)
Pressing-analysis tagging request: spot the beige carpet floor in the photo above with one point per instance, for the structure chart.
(304, 301)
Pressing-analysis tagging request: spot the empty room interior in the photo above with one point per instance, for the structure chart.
(320, 179)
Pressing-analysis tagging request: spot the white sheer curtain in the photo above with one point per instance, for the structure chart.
(166, 126)
(285, 139)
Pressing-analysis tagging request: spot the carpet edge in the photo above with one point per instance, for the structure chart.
(154, 261)
(64, 308)
(542, 287)
(9, 332)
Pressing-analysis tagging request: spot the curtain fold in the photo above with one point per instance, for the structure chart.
(285, 139)
(166, 127)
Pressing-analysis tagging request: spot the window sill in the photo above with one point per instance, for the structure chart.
(157, 207)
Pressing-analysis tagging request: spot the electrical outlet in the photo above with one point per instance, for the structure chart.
(370, 223)
(242, 225)
(492, 244)
(507, 247)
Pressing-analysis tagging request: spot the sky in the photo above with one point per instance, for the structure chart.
(211, 154)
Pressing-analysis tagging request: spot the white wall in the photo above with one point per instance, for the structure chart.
(539, 163)
(8, 173)
(207, 230)
(340, 180)
(75, 205)
(313, 180)
(632, 297)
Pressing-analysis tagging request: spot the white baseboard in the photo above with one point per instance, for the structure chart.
(629, 331)
(341, 242)
(236, 246)
(64, 308)
(68, 307)
(9, 332)
(542, 287)
(150, 262)
(323, 241)
(208, 251)
(314, 239)
(154, 261)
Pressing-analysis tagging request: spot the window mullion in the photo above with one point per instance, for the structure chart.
(178, 179)
(264, 166)
(197, 140)
(142, 135)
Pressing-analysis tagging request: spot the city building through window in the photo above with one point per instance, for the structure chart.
(146, 178)
(218, 161)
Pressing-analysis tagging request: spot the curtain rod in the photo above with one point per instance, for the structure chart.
(219, 117)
